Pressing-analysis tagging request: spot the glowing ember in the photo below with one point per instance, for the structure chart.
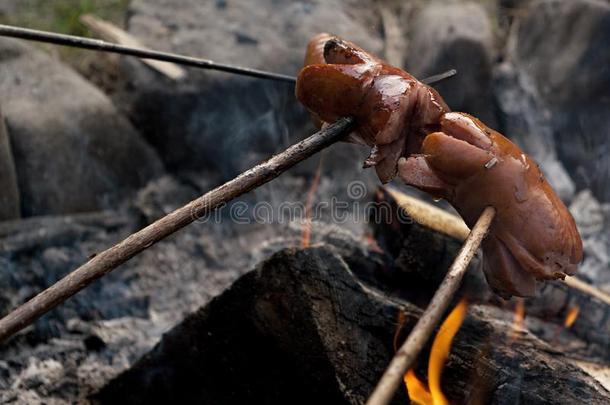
(306, 231)
(439, 353)
(571, 316)
(519, 313)
(372, 242)
(400, 322)
(569, 320)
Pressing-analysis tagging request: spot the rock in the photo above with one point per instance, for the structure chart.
(580, 27)
(591, 218)
(73, 152)
(455, 36)
(587, 213)
(301, 329)
(220, 121)
(525, 118)
(558, 177)
(514, 4)
(9, 198)
(562, 46)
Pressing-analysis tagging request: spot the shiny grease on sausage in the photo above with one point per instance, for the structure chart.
(451, 155)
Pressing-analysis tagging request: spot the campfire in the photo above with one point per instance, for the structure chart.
(477, 276)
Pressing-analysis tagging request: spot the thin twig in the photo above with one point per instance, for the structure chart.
(111, 258)
(99, 45)
(439, 77)
(311, 195)
(406, 355)
(587, 289)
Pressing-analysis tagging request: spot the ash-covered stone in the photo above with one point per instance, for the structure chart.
(105, 328)
(587, 213)
(562, 46)
(458, 36)
(526, 119)
(73, 151)
(592, 220)
(10, 202)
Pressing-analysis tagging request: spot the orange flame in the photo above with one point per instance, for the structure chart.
(438, 357)
(519, 313)
(571, 316)
(518, 318)
(418, 392)
(569, 320)
(306, 231)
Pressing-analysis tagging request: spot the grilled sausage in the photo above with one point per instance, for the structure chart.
(533, 236)
(394, 111)
(450, 155)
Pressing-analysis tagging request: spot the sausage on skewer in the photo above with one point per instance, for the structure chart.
(451, 155)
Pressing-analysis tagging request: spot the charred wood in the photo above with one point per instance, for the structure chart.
(301, 328)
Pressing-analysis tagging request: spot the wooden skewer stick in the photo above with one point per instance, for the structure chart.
(406, 355)
(148, 54)
(588, 289)
(99, 45)
(111, 258)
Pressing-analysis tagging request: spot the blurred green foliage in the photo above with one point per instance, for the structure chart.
(60, 16)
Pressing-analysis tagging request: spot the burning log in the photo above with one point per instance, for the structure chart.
(301, 328)
(421, 270)
(419, 242)
(407, 354)
(438, 357)
(453, 226)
